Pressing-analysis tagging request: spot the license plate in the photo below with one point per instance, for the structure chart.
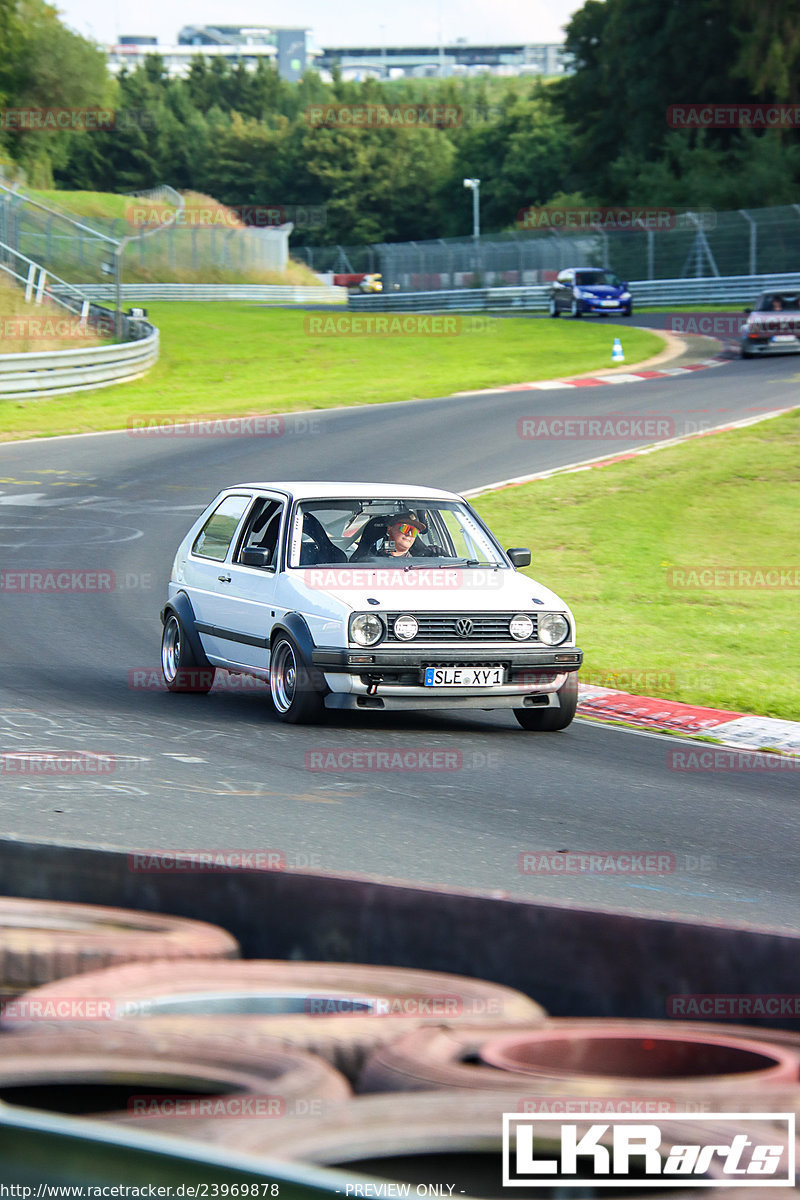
(783, 337)
(463, 676)
(610, 303)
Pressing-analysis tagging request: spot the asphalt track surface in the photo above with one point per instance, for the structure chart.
(220, 773)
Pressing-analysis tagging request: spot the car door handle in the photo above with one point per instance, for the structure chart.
(224, 578)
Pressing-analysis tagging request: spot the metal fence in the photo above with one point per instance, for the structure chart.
(698, 245)
(263, 293)
(733, 289)
(196, 241)
(59, 372)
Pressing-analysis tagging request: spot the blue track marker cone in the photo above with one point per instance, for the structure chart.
(617, 355)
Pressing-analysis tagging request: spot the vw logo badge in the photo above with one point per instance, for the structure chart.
(463, 627)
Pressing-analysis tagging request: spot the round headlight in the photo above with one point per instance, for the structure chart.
(406, 628)
(366, 629)
(520, 627)
(553, 628)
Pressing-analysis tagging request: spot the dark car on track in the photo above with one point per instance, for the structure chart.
(772, 325)
(580, 290)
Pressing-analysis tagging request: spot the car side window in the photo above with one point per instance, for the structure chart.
(262, 527)
(216, 535)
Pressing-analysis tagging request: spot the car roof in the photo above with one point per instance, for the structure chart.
(309, 490)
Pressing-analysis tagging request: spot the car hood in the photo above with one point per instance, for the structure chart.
(427, 589)
(602, 290)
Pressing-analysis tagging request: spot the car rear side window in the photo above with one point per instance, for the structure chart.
(216, 535)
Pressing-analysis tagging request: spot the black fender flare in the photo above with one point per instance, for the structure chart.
(296, 627)
(181, 605)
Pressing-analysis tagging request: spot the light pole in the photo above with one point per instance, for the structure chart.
(475, 187)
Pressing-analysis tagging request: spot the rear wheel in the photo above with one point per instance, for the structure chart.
(295, 695)
(548, 720)
(554, 308)
(575, 310)
(179, 666)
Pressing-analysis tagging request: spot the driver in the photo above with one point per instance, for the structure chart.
(394, 536)
(402, 534)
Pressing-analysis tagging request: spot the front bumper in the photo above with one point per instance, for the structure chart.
(767, 346)
(394, 676)
(404, 658)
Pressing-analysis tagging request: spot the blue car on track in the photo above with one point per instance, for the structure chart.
(580, 290)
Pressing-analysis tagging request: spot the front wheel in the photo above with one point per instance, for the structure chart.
(179, 666)
(554, 308)
(547, 720)
(294, 696)
(575, 310)
(626, 312)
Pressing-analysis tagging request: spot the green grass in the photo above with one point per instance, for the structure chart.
(605, 540)
(237, 358)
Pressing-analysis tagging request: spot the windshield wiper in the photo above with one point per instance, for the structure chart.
(469, 562)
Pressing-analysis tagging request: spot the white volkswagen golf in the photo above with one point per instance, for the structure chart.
(366, 596)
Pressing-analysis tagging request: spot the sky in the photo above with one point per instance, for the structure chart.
(357, 22)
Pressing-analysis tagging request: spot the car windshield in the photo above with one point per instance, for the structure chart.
(778, 302)
(597, 279)
(344, 532)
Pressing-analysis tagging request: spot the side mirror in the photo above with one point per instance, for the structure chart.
(520, 557)
(255, 557)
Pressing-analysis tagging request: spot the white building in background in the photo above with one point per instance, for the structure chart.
(286, 47)
(289, 49)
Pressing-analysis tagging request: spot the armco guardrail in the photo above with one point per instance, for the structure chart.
(265, 293)
(731, 289)
(57, 372)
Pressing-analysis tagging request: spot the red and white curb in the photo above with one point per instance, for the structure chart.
(598, 380)
(730, 728)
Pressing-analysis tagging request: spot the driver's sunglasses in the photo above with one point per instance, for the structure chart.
(408, 530)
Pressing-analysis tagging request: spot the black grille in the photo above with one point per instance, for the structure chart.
(441, 627)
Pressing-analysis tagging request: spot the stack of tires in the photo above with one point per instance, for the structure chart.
(399, 1074)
